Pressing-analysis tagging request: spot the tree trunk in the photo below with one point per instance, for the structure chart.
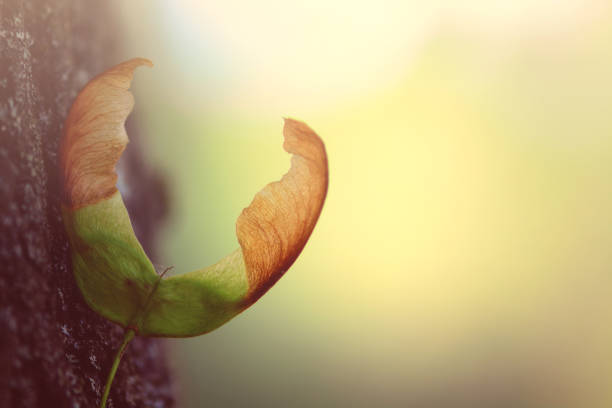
(55, 351)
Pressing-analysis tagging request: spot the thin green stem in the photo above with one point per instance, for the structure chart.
(129, 335)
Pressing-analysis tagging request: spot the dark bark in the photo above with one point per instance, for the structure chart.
(54, 351)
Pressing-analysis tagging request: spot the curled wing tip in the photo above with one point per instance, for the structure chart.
(120, 75)
(301, 140)
(297, 129)
(143, 61)
(94, 135)
(128, 67)
(274, 228)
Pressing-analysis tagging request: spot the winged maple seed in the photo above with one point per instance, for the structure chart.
(113, 272)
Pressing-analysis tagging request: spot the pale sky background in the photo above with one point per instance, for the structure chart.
(281, 55)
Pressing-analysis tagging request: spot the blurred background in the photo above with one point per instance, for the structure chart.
(463, 257)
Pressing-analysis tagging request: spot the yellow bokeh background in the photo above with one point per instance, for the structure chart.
(463, 256)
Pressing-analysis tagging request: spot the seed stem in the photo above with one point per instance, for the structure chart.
(129, 335)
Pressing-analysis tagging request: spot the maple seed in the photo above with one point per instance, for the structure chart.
(113, 272)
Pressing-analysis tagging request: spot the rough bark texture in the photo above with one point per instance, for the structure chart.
(54, 351)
